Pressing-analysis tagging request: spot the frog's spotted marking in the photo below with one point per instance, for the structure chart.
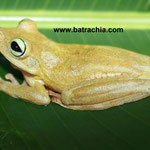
(104, 75)
(49, 59)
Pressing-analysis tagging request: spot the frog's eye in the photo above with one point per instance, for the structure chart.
(18, 47)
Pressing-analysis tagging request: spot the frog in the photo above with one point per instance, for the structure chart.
(74, 76)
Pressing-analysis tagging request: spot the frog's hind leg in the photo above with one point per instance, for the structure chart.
(104, 105)
(102, 94)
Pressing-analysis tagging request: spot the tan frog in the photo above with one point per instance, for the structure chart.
(80, 77)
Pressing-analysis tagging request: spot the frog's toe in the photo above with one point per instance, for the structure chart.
(54, 94)
(11, 77)
(56, 100)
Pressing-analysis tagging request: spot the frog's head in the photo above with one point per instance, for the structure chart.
(22, 46)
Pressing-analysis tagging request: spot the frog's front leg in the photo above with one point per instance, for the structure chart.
(36, 93)
(11, 78)
(103, 93)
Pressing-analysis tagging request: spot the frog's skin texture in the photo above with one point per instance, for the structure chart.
(80, 77)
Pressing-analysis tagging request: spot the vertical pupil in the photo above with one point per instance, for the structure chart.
(15, 47)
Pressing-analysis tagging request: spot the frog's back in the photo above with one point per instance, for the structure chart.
(84, 62)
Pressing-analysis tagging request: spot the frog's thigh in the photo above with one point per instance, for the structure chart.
(102, 94)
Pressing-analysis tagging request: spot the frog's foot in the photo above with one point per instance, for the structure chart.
(13, 80)
(56, 100)
(59, 102)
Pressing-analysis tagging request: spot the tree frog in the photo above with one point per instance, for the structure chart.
(79, 77)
